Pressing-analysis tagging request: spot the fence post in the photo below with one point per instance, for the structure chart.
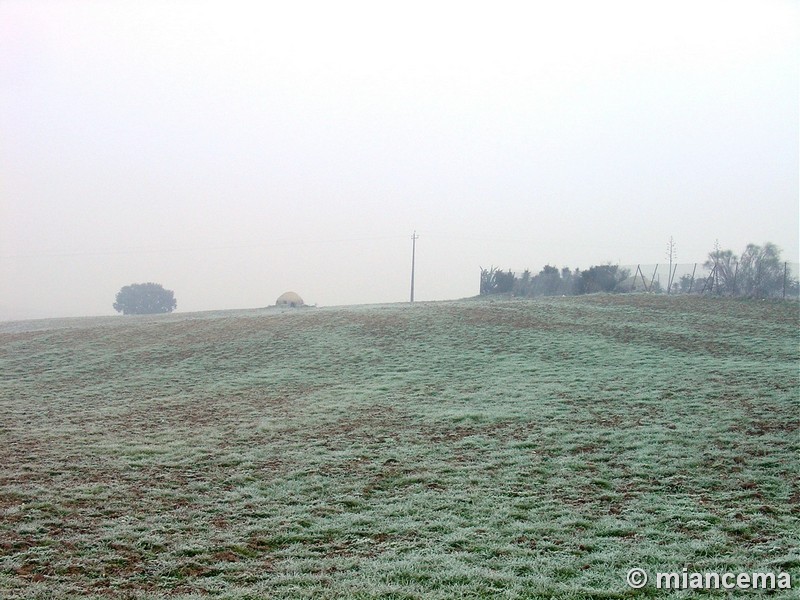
(653, 279)
(710, 279)
(672, 277)
(641, 274)
(784, 279)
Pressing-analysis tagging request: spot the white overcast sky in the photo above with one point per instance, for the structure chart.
(232, 151)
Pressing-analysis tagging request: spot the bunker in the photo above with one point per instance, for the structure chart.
(289, 299)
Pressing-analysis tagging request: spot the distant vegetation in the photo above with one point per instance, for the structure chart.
(553, 282)
(145, 299)
(758, 273)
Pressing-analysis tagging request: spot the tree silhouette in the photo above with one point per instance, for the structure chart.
(145, 299)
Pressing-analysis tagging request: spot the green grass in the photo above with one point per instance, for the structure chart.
(510, 449)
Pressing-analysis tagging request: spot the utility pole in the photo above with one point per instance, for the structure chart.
(414, 237)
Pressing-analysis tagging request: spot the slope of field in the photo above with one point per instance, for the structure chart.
(516, 449)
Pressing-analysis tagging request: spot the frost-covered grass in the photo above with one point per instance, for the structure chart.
(512, 449)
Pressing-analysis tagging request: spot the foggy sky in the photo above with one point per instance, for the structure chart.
(233, 151)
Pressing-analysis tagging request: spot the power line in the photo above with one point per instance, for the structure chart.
(275, 242)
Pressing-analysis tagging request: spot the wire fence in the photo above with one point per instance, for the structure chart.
(725, 278)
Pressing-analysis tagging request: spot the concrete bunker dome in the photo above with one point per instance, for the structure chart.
(290, 299)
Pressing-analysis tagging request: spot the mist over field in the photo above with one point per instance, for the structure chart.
(419, 300)
(235, 151)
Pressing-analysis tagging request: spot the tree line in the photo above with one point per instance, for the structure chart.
(758, 272)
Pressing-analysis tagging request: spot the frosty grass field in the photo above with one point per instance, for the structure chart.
(469, 449)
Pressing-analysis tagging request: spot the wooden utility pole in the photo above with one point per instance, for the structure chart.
(414, 238)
